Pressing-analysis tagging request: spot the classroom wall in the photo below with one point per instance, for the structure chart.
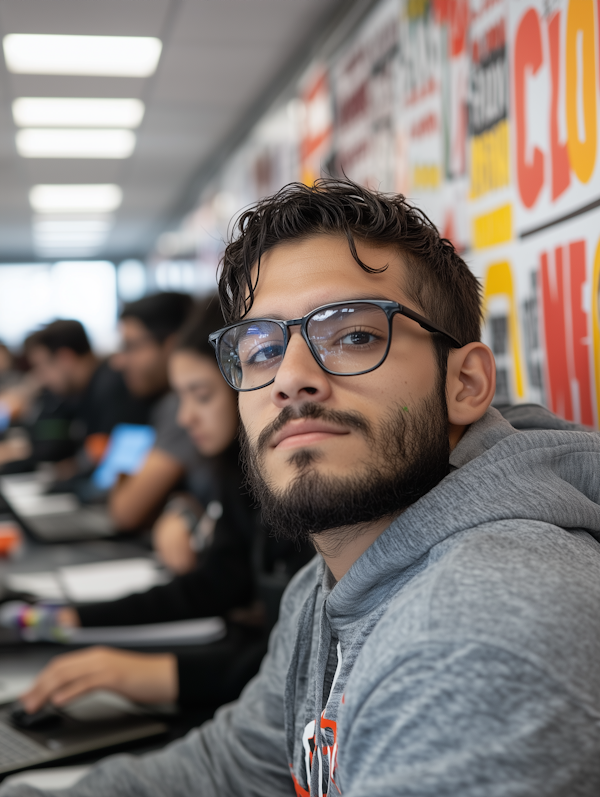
(485, 113)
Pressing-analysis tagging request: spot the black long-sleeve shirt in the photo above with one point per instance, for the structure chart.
(228, 576)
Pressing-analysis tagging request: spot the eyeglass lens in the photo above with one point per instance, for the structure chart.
(345, 339)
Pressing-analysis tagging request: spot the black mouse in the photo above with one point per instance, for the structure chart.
(46, 717)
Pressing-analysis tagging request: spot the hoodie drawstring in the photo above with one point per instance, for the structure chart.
(316, 773)
(301, 653)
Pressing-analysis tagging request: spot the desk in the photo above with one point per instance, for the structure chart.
(28, 659)
(23, 659)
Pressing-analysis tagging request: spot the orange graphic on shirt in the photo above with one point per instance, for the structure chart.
(328, 750)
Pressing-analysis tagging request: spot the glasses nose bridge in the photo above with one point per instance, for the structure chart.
(302, 324)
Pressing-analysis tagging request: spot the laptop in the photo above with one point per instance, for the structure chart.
(94, 722)
(61, 517)
(52, 517)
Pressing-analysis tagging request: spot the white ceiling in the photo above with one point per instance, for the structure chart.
(220, 58)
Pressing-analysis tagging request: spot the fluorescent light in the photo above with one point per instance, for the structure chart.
(72, 112)
(69, 237)
(42, 142)
(102, 197)
(44, 54)
(48, 226)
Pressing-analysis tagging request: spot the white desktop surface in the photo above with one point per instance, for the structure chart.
(55, 778)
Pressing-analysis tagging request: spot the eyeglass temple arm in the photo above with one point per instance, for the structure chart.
(429, 325)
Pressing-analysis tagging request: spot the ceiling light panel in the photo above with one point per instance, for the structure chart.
(84, 198)
(46, 226)
(40, 142)
(116, 56)
(71, 237)
(73, 112)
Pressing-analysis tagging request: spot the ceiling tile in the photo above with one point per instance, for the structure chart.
(91, 17)
(219, 58)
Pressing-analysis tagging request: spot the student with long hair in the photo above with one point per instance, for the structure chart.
(219, 544)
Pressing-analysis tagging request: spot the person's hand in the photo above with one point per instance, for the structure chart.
(141, 677)
(171, 540)
(67, 617)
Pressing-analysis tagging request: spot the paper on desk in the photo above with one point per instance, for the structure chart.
(43, 586)
(54, 778)
(99, 581)
(182, 632)
(13, 686)
(106, 581)
(20, 484)
(54, 504)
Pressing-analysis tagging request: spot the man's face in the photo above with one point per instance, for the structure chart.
(54, 371)
(380, 439)
(142, 359)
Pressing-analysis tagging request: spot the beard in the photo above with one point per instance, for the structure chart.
(410, 453)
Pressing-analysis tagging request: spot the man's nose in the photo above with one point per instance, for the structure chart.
(299, 378)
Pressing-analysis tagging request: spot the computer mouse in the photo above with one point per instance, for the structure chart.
(46, 717)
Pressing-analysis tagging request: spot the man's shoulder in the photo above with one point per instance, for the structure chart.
(515, 559)
(527, 588)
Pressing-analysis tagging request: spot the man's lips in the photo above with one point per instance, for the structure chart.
(305, 432)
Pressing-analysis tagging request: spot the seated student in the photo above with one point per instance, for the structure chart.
(149, 330)
(445, 639)
(223, 581)
(81, 390)
(9, 375)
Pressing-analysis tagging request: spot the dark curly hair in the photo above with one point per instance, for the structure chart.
(436, 278)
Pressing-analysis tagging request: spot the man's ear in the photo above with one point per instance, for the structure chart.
(470, 383)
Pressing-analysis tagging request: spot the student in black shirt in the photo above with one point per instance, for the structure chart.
(83, 398)
(239, 568)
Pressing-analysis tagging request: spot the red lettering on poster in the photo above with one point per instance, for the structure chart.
(581, 341)
(555, 334)
(566, 333)
(561, 170)
(528, 53)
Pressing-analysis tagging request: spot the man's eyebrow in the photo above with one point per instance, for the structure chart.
(375, 297)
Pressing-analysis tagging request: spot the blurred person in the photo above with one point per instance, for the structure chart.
(221, 548)
(84, 389)
(16, 392)
(9, 374)
(444, 639)
(149, 329)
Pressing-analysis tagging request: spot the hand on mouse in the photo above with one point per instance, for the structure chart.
(144, 678)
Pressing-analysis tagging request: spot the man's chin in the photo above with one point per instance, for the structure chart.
(301, 456)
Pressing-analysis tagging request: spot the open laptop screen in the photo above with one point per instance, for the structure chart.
(127, 450)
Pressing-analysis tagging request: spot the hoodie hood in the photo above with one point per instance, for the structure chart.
(497, 474)
(547, 476)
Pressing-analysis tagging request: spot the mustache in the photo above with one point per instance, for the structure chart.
(349, 420)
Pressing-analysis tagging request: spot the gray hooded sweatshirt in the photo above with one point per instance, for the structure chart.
(459, 656)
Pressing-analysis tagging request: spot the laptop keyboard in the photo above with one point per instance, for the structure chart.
(16, 748)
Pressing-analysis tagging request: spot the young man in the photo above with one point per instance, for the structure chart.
(93, 395)
(149, 330)
(445, 639)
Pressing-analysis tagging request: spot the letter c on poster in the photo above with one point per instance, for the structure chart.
(528, 53)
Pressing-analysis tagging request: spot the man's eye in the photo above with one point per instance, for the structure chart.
(265, 354)
(357, 338)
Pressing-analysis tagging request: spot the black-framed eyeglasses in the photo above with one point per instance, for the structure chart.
(345, 338)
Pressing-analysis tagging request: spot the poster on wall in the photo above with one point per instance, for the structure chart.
(535, 222)
(316, 122)
(431, 112)
(484, 113)
(364, 89)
